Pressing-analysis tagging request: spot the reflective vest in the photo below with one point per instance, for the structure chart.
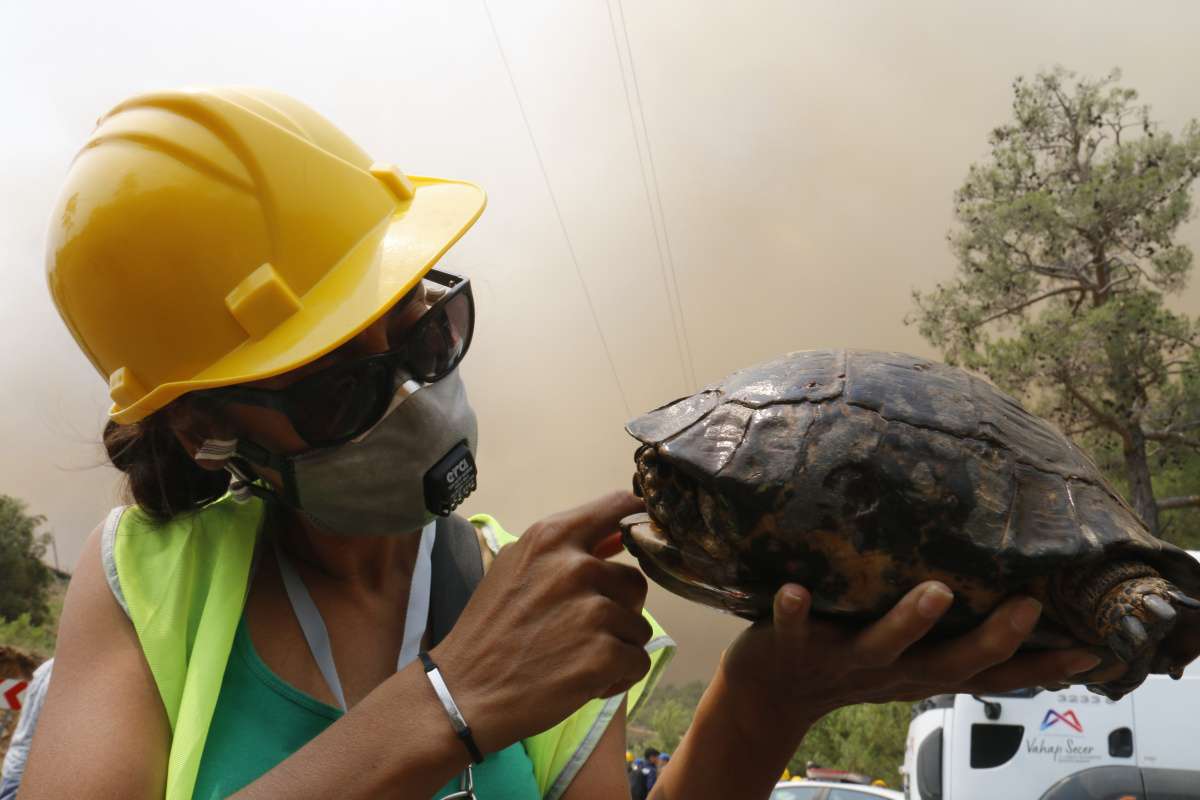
(184, 585)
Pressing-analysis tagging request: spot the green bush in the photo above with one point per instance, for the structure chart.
(21, 633)
(865, 738)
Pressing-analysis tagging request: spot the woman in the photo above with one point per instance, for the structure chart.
(261, 297)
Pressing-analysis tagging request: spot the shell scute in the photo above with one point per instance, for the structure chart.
(706, 449)
(772, 450)
(806, 376)
(669, 420)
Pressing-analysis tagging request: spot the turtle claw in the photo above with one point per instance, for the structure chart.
(1183, 600)
(1160, 608)
(1119, 645)
(1135, 632)
(1135, 672)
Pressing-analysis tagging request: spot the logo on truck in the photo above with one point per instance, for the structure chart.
(1060, 744)
(1067, 718)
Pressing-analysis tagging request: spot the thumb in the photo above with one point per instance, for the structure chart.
(792, 605)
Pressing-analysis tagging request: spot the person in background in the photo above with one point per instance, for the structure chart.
(645, 776)
(636, 784)
(650, 771)
(18, 747)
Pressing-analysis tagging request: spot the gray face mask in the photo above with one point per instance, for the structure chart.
(416, 463)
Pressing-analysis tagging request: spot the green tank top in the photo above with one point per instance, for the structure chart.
(260, 720)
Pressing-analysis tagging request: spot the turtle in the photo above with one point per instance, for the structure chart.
(860, 474)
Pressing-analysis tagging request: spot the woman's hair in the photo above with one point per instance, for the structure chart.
(161, 477)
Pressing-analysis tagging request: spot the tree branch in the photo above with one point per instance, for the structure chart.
(1031, 301)
(1168, 436)
(1106, 419)
(1188, 342)
(1057, 273)
(1184, 501)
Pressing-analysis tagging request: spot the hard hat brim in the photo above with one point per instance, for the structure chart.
(383, 267)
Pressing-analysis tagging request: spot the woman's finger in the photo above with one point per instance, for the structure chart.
(992, 642)
(909, 620)
(791, 622)
(1027, 670)
(628, 626)
(632, 664)
(588, 525)
(623, 584)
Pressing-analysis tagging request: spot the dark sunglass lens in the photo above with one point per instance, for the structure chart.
(438, 343)
(425, 350)
(340, 403)
(460, 314)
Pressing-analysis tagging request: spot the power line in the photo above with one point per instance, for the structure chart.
(637, 93)
(688, 380)
(557, 211)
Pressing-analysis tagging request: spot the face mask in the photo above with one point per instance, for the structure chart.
(416, 463)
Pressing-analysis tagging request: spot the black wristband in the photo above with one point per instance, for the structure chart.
(461, 729)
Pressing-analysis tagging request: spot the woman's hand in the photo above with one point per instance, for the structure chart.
(791, 671)
(551, 626)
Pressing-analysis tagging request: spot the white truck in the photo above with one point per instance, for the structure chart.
(1058, 745)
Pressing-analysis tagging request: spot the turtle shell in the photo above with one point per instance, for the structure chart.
(861, 474)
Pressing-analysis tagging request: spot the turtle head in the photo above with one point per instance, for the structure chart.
(691, 538)
(685, 505)
(684, 447)
(685, 540)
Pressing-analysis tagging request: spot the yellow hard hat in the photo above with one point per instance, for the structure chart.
(210, 237)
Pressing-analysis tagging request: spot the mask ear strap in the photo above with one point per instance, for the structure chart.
(249, 453)
(216, 450)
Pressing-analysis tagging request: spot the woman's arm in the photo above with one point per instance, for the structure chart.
(359, 756)
(550, 621)
(103, 732)
(778, 678)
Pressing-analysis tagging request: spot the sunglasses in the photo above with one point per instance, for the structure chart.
(344, 401)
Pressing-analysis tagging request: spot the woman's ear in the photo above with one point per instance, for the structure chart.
(203, 435)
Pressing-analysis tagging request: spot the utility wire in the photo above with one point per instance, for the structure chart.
(688, 380)
(637, 93)
(558, 212)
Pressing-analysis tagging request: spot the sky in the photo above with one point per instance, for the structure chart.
(676, 190)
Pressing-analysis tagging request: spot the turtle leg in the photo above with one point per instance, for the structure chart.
(1135, 615)
(1126, 606)
(1130, 608)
